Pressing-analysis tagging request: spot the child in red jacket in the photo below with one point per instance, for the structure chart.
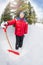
(21, 28)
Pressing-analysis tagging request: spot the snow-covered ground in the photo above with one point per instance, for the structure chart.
(31, 52)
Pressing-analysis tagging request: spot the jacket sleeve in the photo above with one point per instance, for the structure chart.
(26, 28)
(11, 22)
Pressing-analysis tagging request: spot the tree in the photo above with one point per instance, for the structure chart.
(32, 15)
(6, 15)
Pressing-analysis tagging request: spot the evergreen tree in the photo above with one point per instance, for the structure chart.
(6, 15)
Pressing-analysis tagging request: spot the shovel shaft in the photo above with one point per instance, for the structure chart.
(7, 37)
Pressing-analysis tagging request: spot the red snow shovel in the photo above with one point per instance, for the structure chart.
(12, 51)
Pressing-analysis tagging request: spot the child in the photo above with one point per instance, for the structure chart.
(21, 28)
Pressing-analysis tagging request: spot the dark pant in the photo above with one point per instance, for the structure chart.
(19, 41)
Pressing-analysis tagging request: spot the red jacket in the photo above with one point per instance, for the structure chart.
(21, 26)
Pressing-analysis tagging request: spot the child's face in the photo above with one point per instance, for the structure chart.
(21, 15)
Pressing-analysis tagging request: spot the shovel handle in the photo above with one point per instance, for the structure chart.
(7, 37)
(4, 29)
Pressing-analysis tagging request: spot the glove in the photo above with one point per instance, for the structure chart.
(4, 24)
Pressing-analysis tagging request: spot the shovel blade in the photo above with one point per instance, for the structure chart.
(14, 52)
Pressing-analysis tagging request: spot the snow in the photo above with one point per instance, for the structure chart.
(32, 51)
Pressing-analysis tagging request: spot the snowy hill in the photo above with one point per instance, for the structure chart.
(32, 51)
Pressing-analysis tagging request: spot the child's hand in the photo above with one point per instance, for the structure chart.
(4, 24)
